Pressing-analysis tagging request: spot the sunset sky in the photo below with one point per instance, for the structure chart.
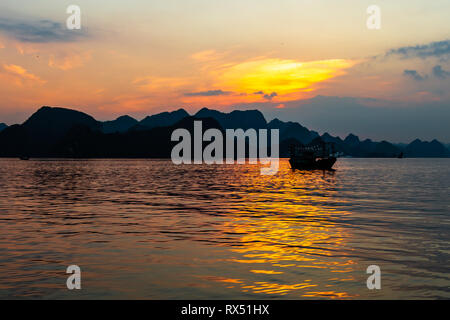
(312, 61)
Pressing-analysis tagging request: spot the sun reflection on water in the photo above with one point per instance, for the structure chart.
(281, 241)
(148, 229)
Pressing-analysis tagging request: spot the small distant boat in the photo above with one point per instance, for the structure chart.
(318, 156)
(24, 158)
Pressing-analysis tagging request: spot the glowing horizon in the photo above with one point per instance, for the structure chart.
(144, 58)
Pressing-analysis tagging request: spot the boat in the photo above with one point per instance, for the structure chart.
(24, 158)
(318, 156)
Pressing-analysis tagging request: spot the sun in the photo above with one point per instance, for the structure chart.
(283, 77)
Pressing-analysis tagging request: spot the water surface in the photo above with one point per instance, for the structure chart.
(149, 229)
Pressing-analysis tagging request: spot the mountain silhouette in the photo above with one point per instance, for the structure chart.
(84, 142)
(236, 119)
(293, 130)
(60, 132)
(3, 126)
(37, 135)
(352, 141)
(56, 121)
(369, 148)
(419, 148)
(164, 119)
(121, 124)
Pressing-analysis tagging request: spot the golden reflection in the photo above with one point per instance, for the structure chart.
(266, 271)
(328, 294)
(294, 245)
(274, 288)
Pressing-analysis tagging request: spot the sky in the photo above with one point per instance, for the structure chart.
(311, 61)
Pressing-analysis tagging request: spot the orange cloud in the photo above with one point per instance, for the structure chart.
(262, 79)
(154, 83)
(207, 55)
(256, 80)
(19, 75)
(69, 61)
(24, 49)
(286, 78)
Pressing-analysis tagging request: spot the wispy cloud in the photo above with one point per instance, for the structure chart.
(19, 75)
(434, 49)
(270, 96)
(39, 31)
(437, 72)
(266, 96)
(209, 93)
(68, 61)
(440, 73)
(414, 75)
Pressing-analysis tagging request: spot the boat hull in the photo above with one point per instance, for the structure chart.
(316, 164)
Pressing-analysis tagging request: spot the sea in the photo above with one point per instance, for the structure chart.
(149, 229)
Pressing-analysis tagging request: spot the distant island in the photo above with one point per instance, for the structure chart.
(65, 133)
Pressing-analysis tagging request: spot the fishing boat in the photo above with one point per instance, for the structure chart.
(320, 155)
